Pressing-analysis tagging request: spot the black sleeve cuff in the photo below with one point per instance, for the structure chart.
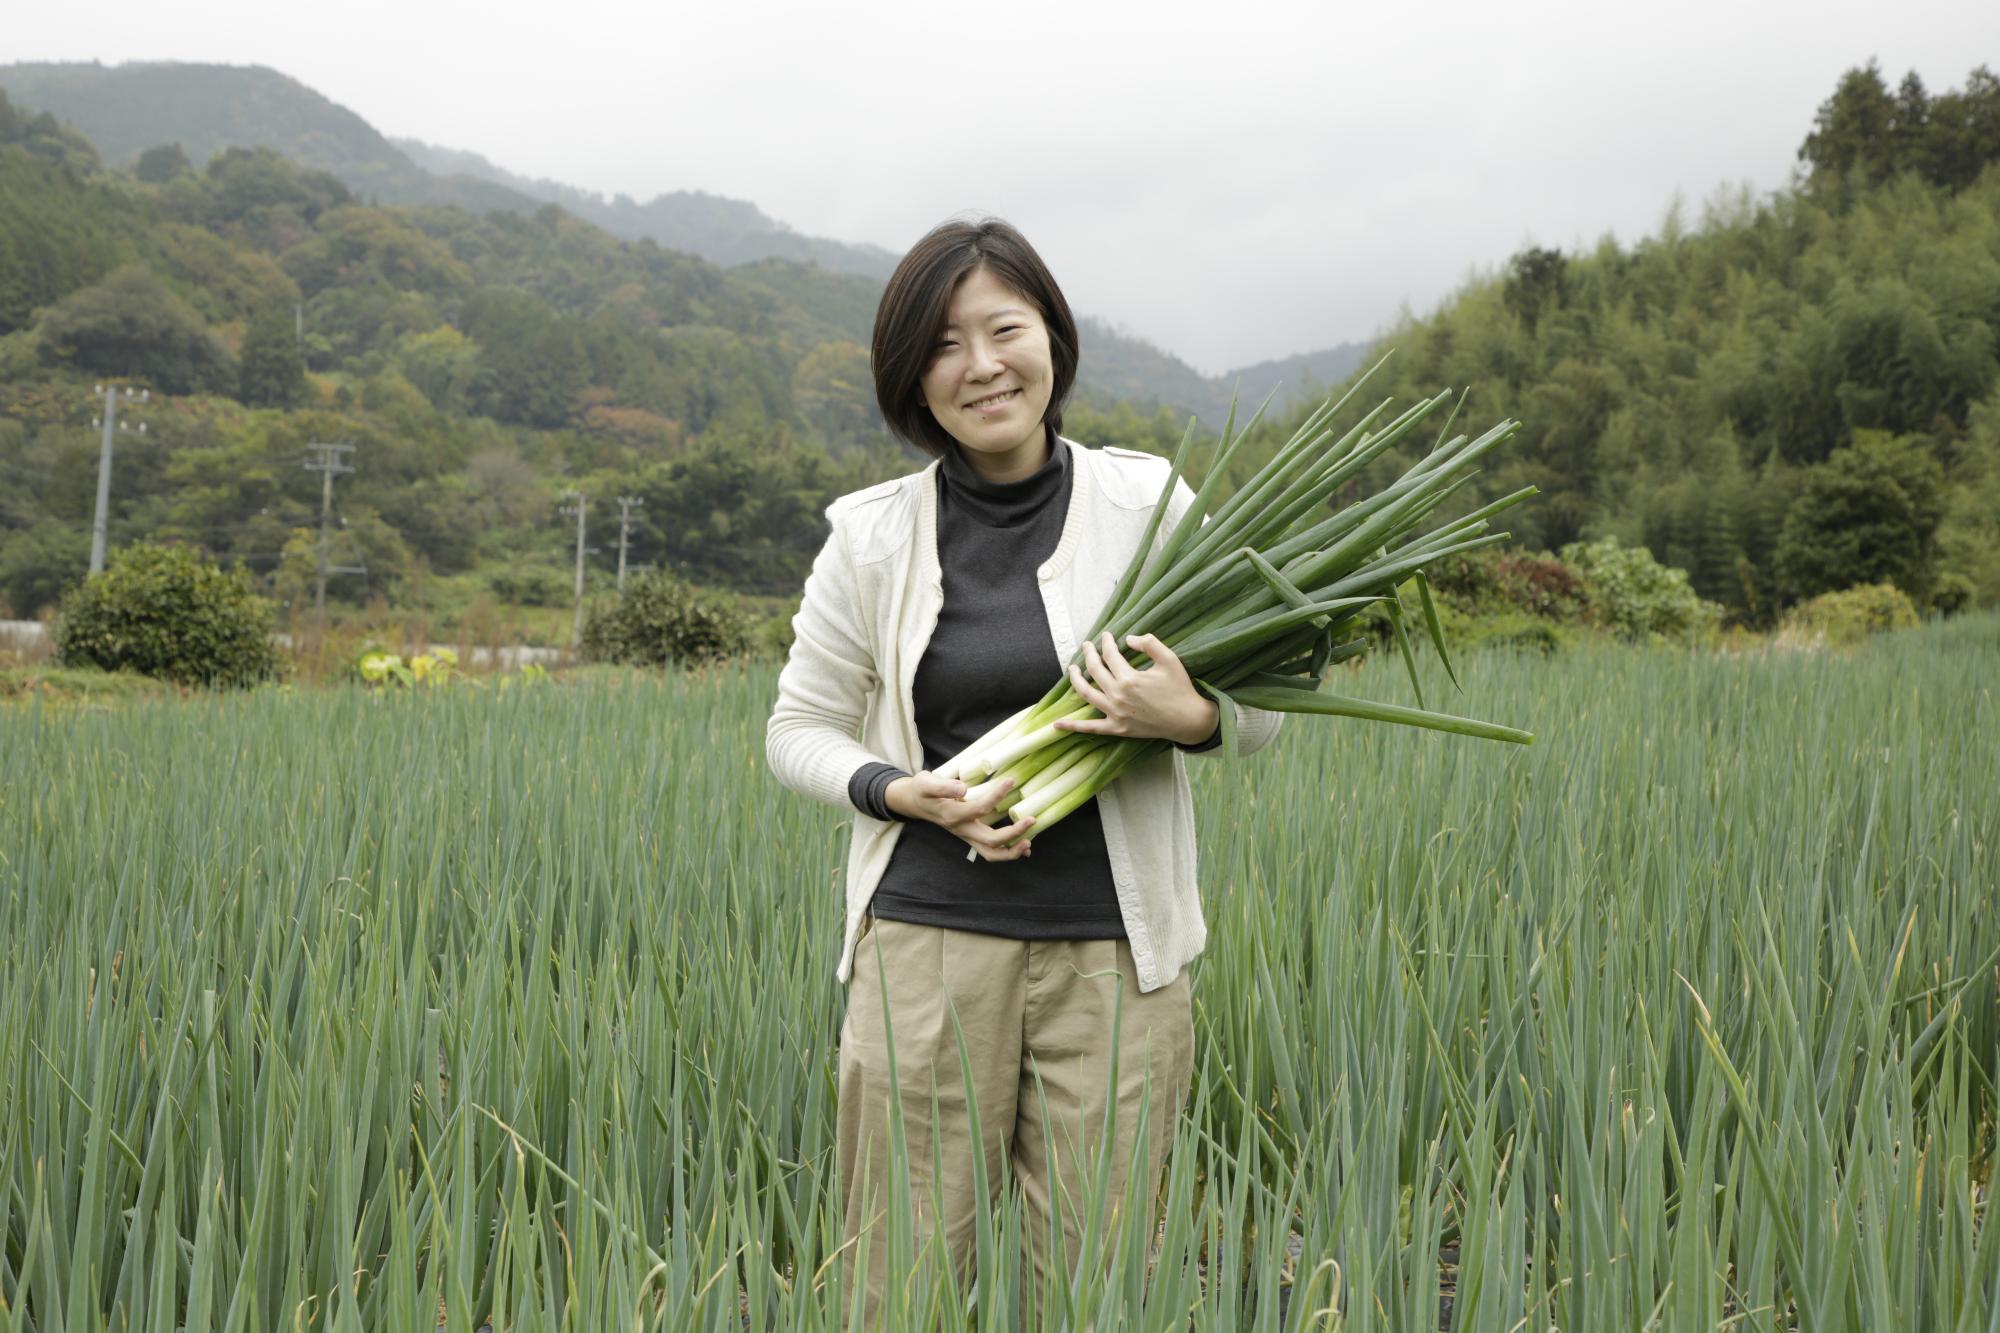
(868, 789)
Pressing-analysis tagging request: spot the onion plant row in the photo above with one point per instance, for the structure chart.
(335, 1011)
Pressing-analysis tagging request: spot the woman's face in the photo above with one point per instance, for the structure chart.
(990, 380)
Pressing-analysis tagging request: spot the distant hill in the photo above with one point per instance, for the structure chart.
(205, 108)
(126, 109)
(1308, 375)
(1120, 366)
(726, 231)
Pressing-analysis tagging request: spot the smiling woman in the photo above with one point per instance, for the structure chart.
(972, 314)
(1038, 998)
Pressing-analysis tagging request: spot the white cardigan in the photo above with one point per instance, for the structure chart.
(870, 605)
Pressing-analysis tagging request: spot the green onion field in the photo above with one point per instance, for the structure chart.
(351, 1010)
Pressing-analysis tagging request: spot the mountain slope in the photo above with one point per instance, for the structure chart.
(726, 231)
(125, 109)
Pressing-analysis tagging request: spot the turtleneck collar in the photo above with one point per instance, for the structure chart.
(1003, 504)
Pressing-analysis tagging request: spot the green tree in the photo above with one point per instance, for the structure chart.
(131, 325)
(247, 182)
(272, 371)
(531, 361)
(444, 365)
(1869, 514)
(834, 388)
(1864, 133)
(360, 247)
(1852, 127)
(1964, 132)
(38, 560)
(1969, 536)
(162, 163)
(57, 233)
(1536, 279)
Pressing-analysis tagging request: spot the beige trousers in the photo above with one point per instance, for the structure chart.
(1040, 1022)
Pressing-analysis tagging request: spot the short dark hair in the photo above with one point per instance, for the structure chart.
(916, 306)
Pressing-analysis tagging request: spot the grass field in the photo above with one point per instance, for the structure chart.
(329, 1010)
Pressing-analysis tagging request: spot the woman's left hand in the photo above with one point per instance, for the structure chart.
(1158, 701)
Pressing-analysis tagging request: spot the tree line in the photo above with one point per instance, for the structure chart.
(1784, 394)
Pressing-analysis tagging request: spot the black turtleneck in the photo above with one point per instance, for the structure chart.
(991, 655)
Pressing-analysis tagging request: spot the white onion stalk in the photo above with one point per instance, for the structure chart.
(1059, 767)
(1073, 775)
(1007, 751)
(951, 768)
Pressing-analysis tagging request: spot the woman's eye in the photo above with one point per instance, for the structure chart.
(1011, 328)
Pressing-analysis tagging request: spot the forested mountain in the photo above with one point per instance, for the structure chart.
(728, 231)
(205, 109)
(1119, 366)
(481, 364)
(1785, 395)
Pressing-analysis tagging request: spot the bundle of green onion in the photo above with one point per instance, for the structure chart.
(1259, 598)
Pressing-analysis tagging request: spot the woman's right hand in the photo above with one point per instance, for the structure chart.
(941, 801)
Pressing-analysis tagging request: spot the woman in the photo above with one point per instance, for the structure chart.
(942, 603)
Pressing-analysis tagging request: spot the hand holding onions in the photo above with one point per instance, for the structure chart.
(947, 803)
(1159, 702)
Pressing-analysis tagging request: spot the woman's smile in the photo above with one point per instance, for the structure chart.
(991, 405)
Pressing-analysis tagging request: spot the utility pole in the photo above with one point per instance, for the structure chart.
(576, 508)
(328, 460)
(626, 504)
(100, 526)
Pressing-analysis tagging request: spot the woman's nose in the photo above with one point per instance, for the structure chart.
(984, 361)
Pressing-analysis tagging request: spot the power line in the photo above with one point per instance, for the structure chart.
(100, 525)
(328, 460)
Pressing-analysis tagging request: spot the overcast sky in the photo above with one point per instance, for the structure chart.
(1232, 181)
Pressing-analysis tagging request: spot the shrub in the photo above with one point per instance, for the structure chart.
(1492, 624)
(523, 584)
(1849, 616)
(1501, 585)
(662, 620)
(168, 612)
(1952, 593)
(773, 636)
(1541, 585)
(1635, 596)
(1468, 580)
(1513, 631)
